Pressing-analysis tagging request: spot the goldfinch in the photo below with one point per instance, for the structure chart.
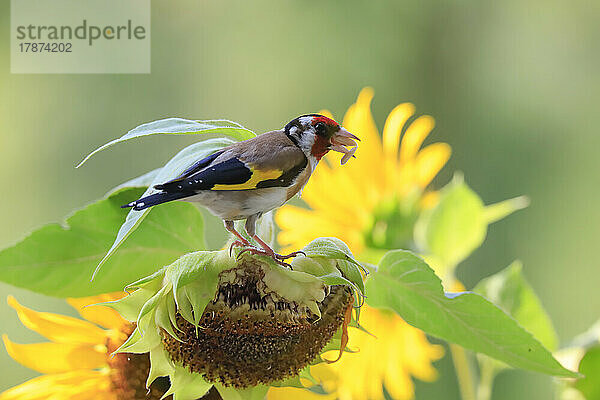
(249, 178)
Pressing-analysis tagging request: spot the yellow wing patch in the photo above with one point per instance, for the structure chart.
(257, 177)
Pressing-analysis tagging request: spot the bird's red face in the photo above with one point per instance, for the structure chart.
(316, 135)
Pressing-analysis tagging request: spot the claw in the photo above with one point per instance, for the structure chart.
(278, 258)
(237, 243)
(248, 249)
(291, 255)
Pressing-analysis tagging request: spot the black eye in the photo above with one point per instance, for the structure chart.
(321, 128)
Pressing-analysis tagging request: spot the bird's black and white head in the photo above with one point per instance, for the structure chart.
(316, 134)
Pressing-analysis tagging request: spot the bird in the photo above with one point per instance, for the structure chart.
(249, 178)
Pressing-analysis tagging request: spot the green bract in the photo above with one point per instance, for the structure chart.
(458, 224)
(211, 319)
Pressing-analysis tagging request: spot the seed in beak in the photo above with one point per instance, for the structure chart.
(344, 138)
(348, 155)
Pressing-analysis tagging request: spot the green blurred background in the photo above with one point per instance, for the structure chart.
(513, 85)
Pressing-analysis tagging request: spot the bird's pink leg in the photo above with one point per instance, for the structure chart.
(240, 242)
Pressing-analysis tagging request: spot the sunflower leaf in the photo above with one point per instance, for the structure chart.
(180, 126)
(172, 169)
(405, 284)
(58, 260)
(509, 290)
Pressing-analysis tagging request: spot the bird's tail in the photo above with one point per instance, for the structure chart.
(154, 199)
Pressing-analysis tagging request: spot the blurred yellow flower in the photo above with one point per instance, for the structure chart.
(373, 194)
(77, 362)
(393, 353)
(372, 202)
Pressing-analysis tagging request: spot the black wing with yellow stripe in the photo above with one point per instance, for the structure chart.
(230, 174)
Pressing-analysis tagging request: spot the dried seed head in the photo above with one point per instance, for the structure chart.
(251, 334)
(209, 319)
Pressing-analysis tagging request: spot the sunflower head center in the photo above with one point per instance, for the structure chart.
(392, 224)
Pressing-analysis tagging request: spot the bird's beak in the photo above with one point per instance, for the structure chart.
(341, 139)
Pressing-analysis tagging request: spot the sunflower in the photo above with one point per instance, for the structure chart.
(389, 354)
(235, 325)
(77, 362)
(372, 203)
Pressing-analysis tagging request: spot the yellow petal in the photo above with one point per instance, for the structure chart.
(359, 121)
(330, 191)
(59, 328)
(391, 141)
(393, 127)
(327, 113)
(51, 358)
(290, 393)
(414, 136)
(406, 179)
(430, 161)
(395, 353)
(299, 226)
(338, 183)
(429, 200)
(99, 388)
(98, 314)
(96, 385)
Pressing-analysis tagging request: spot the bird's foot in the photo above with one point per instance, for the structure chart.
(238, 243)
(278, 258)
(291, 255)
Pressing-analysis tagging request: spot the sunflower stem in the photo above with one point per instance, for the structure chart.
(464, 374)
(487, 373)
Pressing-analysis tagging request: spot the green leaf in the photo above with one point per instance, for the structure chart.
(406, 285)
(252, 393)
(509, 290)
(590, 368)
(58, 260)
(180, 126)
(184, 159)
(457, 225)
